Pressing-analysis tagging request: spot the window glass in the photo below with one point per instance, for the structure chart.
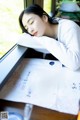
(9, 25)
(47, 6)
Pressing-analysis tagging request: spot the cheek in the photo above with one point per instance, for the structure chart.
(42, 30)
(39, 23)
(41, 27)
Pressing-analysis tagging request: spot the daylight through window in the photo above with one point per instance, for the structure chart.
(9, 25)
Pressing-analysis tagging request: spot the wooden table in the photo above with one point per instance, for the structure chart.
(39, 113)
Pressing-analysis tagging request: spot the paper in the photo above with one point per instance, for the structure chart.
(44, 83)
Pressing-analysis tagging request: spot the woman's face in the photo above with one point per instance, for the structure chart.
(34, 24)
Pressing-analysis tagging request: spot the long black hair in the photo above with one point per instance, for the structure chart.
(35, 9)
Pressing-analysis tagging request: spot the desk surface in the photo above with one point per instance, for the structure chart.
(40, 113)
(44, 83)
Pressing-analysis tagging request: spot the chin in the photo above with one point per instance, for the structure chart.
(40, 35)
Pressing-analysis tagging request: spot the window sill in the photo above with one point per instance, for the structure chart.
(8, 64)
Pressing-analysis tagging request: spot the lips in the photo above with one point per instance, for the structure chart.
(35, 34)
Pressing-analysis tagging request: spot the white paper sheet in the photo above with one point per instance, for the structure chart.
(44, 83)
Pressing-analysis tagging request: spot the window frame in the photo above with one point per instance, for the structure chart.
(12, 58)
(10, 62)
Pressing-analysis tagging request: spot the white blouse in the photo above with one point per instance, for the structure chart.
(67, 48)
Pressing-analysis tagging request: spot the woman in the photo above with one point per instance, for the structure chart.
(61, 37)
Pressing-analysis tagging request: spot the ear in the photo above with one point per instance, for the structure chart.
(45, 18)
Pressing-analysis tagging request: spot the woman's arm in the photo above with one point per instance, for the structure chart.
(69, 58)
(67, 48)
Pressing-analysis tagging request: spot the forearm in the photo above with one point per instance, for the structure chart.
(70, 59)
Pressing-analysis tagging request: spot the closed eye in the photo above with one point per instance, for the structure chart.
(30, 22)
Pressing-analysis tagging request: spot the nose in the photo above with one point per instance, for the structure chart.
(30, 30)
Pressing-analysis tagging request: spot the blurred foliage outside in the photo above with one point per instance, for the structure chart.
(9, 25)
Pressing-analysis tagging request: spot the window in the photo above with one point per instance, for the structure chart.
(9, 26)
(50, 6)
(47, 6)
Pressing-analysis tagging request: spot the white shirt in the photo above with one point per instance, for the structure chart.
(67, 48)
